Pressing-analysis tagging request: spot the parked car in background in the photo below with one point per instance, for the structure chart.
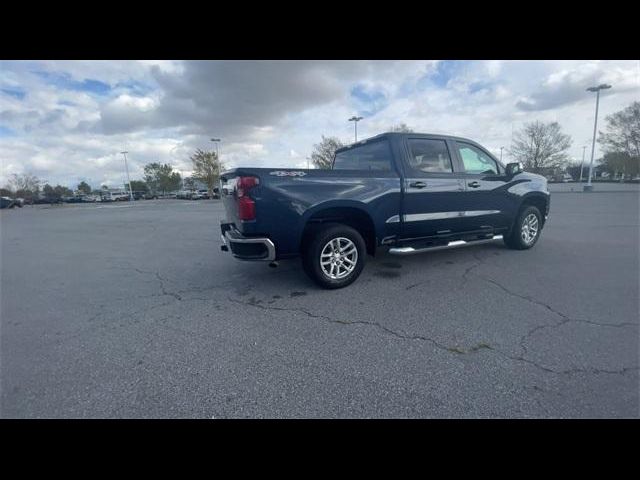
(47, 200)
(7, 202)
(198, 195)
(115, 196)
(168, 195)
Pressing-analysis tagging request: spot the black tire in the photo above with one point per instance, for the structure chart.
(516, 238)
(317, 240)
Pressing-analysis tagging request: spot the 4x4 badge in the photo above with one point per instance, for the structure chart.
(282, 173)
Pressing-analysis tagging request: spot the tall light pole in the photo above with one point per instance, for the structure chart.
(217, 141)
(355, 120)
(584, 147)
(588, 187)
(126, 167)
(501, 154)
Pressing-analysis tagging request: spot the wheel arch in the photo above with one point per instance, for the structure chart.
(352, 214)
(535, 199)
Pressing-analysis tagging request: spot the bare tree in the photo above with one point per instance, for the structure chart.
(25, 186)
(623, 131)
(541, 146)
(621, 141)
(207, 168)
(26, 182)
(401, 127)
(324, 152)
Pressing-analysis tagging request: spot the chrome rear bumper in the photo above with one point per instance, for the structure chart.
(247, 248)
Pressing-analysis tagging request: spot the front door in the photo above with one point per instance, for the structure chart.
(431, 191)
(486, 201)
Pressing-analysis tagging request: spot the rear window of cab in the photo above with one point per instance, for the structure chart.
(371, 156)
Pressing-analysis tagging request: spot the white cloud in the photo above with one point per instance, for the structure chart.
(271, 113)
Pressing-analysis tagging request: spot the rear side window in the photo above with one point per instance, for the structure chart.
(429, 156)
(371, 156)
(476, 161)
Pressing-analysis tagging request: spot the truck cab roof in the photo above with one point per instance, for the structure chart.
(405, 134)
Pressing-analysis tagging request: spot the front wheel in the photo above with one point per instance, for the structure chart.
(334, 255)
(526, 229)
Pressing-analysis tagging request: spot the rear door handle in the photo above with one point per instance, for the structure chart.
(474, 184)
(417, 185)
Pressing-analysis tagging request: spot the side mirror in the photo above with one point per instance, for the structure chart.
(513, 168)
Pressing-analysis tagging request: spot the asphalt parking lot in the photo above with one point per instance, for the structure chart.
(132, 310)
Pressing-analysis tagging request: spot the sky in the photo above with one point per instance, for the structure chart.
(68, 121)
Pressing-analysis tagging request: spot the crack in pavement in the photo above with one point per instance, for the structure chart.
(565, 318)
(441, 346)
(464, 275)
(357, 322)
(162, 281)
(404, 336)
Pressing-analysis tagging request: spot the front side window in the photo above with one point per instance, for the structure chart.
(371, 156)
(429, 156)
(476, 161)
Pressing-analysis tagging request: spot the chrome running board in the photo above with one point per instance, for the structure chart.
(454, 244)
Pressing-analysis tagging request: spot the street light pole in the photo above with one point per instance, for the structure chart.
(126, 167)
(501, 154)
(588, 187)
(355, 120)
(216, 141)
(584, 147)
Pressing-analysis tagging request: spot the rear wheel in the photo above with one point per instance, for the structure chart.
(526, 229)
(334, 255)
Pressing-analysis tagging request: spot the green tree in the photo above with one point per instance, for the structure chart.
(620, 162)
(172, 183)
(49, 193)
(63, 191)
(324, 152)
(161, 177)
(541, 147)
(53, 194)
(207, 168)
(139, 186)
(189, 183)
(621, 141)
(84, 187)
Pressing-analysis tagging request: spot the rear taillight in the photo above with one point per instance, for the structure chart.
(246, 205)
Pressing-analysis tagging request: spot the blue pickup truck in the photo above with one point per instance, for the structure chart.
(406, 192)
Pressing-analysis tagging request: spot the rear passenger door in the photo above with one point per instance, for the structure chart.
(485, 201)
(431, 191)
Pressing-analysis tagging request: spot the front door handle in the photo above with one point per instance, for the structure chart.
(417, 185)
(474, 184)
